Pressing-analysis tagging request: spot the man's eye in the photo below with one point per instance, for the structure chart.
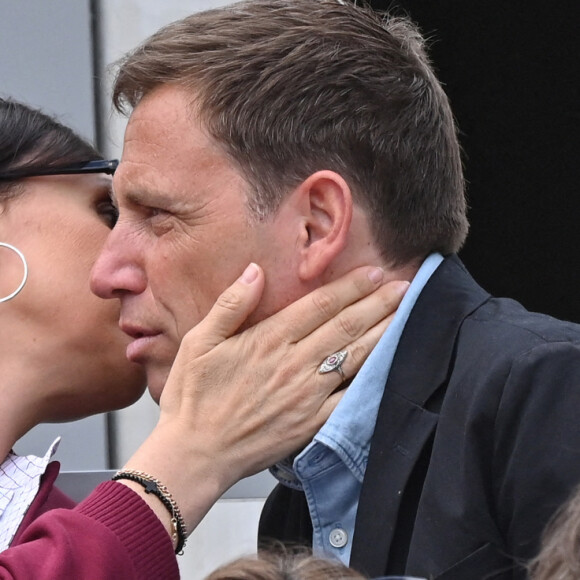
(157, 215)
(157, 212)
(109, 211)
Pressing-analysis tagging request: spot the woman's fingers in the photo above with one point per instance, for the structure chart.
(265, 350)
(307, 314)
(357, 301)
(358, 327)
(359, 350)
(326, 386)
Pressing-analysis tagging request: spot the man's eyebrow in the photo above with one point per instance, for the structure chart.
(144, 197)
(140, 197)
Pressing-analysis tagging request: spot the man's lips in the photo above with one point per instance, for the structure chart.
(136, 350)
(142, 339)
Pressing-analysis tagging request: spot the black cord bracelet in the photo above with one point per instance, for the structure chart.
(154, 486)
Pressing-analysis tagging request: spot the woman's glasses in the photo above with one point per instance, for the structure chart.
(107, 166)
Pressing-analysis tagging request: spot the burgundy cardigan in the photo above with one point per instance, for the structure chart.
(112, 534)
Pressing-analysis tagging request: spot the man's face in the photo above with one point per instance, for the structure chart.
(183, 235)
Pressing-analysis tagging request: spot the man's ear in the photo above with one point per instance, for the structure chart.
(326, 203)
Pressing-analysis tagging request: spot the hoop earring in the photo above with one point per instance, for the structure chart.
(24, 277)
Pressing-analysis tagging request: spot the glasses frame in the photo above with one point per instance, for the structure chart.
(107, 166)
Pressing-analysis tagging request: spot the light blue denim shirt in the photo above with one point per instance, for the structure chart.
(331, 468)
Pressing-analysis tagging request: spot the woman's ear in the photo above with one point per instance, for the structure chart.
(326, 204)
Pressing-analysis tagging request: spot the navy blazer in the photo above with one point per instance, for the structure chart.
(477, 440)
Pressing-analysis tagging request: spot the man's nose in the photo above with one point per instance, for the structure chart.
(118, 270)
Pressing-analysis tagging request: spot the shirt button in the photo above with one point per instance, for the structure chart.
(338, 538)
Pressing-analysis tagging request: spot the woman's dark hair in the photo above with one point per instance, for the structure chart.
(30, 138)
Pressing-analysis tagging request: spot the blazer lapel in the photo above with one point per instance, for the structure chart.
(407, 417)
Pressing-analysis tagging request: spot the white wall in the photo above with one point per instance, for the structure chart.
(229, 530)
(46, 58)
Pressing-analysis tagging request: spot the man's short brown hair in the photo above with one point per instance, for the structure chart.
(290, 87)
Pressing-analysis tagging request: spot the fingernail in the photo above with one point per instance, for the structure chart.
(376, 275)
(250, 274)
(400, 285)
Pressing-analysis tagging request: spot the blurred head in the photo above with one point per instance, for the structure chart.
(559, 556)
(279, 564)
(62, 349)
(309, 137)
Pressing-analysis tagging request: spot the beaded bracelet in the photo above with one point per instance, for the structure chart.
(154, 486)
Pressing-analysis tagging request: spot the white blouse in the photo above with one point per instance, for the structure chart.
(19, 484)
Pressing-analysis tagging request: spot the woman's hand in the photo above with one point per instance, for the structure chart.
(236, 403)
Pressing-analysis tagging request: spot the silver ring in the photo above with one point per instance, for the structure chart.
(334, 363)
(24, 276)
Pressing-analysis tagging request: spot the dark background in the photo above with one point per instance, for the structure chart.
(511, 70)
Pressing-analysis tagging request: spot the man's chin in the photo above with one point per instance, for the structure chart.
(155, 393)
(155, 383)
